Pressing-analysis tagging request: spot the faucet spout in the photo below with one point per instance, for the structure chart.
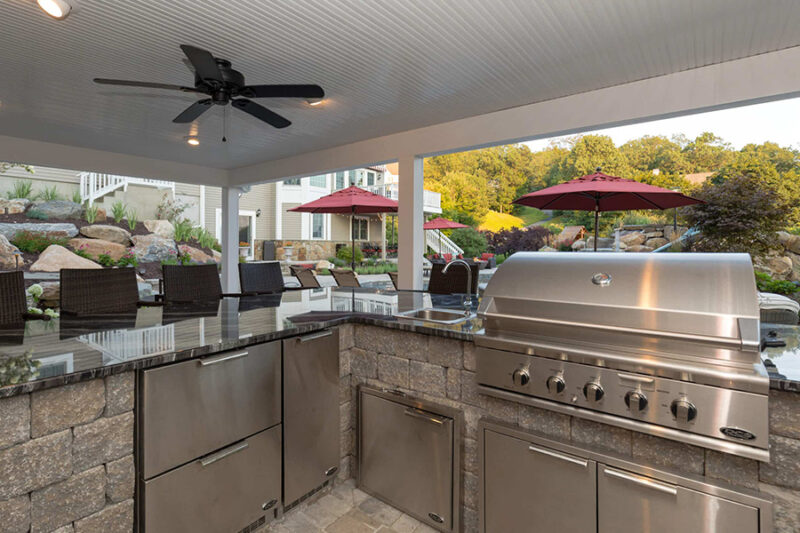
(468, 300)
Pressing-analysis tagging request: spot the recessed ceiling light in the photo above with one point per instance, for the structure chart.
(193, 140)
(58, 9)
(314, 101)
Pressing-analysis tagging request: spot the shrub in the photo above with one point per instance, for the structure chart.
(129, 259)
(81, 252)
(49, 194)
(766, 283)
(35, 243)
(470, 240)
(118, 210)
(169, 209)
(507, 242)
(37, 214)
(184, 231)
(133, 219)
(105, 260)
(345, 253)
(76, 197)
(91, 213)
(21, 189)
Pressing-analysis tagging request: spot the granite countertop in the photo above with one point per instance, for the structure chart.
(782, 362)
(69, 349)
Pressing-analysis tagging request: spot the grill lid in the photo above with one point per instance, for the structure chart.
(707, 298)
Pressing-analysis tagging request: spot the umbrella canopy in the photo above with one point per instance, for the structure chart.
(350, 201)
(601, 192)
(443, 223)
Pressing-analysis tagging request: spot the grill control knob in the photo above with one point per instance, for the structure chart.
(636, 401)
(593, 392)
(556, 385)
(521, 377)
(683, 410)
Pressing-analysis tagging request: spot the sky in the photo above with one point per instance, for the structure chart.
(773, 121)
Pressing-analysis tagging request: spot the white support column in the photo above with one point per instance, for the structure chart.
(411, 240)
(230, 239)
(382, 218)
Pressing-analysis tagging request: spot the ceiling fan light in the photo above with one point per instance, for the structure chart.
(192, 140)
(314, 101)
(58, 9)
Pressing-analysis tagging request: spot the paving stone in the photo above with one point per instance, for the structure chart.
(413, 346)
(470, 495)
(364, 363)
(15, 420)
(469, 388)
(325, 511)
(64, 529)
(119, 393)
(113, 519)
(544, 421)
(783, 468)
(428, 378)
(602, 436)
(499, 408)
(121, 479)
(393, 370)
(731, 469)
(406, 524)
(469, 457)
(345, 471)
(381, 512)
(295, 521)
(374, 338)
(470, 360)
(470, 520)
(350, 523)
(63, 407)
(101, 441)
(445, 352)
(347, 442)
(344, 491)
(346, 338)
(454, 383)
(347, 416)
(344, 389)
(668, 453)
(35, 464)
(786, 508)
(345, 358)
(784, 413)
(15, 515)
(67, 501)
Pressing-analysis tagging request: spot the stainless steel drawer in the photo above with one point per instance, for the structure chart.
(192, 408)
(222, 492)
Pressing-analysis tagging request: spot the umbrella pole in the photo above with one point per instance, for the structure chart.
(353, 240)
(596, 217)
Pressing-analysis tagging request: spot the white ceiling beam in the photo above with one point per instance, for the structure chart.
(39, 153)
(755, 79)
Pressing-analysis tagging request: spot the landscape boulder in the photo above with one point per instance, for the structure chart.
(95, 247)
(789, 241)
(51, 294)
(162, 228)
(656, 242)
(56, 257)
(632, 239)
(152, 248)
(66, 230)
(60, 209)
(217, 256)
(9, 255)
(14, 206)
(780, 266)
(602, 242)
(639, 248)
(578, 245)
(547, 249)
(672, 234)
(653, 235)
(198, 256)
(107, 233)
(569, 235)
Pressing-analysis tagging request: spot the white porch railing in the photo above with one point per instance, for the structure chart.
(431, 201)
(95, 185)
(447, 246)
(125, 344)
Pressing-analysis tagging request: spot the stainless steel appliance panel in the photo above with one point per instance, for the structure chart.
(311, 412)
(224, 491)
(529, 487)
(406, 458)
(632, 503)
(194, 407)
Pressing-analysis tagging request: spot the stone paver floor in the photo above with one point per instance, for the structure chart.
(346, 509)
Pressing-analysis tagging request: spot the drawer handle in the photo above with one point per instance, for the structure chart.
(331, 471)
(222, 454)
(641, 481)
(222, 358)
(637, 379)
(315, 336)
(436, 518)
(422, 415)
(556, 455)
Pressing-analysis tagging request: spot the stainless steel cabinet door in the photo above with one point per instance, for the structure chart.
(192, 408)
(528, 488)
(406, 458)
(311, 412)
(223, 491)
(632, 503)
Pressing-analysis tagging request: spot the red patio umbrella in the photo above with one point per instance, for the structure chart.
(601, 192)
(350, 201)
(440, 224)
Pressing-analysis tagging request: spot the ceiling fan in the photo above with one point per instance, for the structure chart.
(215, 77)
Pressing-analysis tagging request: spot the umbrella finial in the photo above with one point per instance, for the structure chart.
(598, 169)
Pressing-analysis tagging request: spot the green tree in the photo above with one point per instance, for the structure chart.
(707, 153)
(470, 240)
(650, 153)
(463, 192)
(590, 152)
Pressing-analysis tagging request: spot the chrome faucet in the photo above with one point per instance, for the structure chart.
(468, 298)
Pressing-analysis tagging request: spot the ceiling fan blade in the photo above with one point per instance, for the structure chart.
(127, 83)
(204, 63)
(282, 91)
(261, 112)
(193, 111)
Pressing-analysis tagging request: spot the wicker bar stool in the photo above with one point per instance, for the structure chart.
(261, 277)
(454, 282)
(345, 278)
(192, 283)
(393, 277)
(101, 291)
(306, 277)
(13, 304)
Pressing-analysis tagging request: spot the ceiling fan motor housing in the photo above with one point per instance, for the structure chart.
(232, 82)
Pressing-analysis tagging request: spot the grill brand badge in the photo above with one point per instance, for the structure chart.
(737, 433)
(601, 279)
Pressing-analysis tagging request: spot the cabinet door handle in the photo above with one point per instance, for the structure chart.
(634, 377)
(422, 415)
(556, 455)
(331, 471)
(222, 454)
(222, 358)
(642, 481)
(315, 336)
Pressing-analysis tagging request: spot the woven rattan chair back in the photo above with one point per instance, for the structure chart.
(98, 291)
(393, 277)
(345, 278)
(260, 277)
(191, 283)
(454, 282)
(13, 304)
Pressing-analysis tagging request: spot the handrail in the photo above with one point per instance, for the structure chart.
(95, 185)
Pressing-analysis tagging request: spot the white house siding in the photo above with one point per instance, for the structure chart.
(65, 181)
(291, 223)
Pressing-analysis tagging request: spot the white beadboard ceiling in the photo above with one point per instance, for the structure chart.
(386, 65)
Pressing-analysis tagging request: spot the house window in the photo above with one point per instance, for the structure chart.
(246, 234)
(339, 180)
(361, 229)
(370, 179)
(319, 181)
(317, 226)
(353, 177)
(292, 181)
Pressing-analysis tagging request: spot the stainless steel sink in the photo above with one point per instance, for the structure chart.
(441, 316)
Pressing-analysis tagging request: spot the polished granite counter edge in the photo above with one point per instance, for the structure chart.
(787, 385)
(202, 351)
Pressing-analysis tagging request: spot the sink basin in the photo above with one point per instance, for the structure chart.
(441, 316)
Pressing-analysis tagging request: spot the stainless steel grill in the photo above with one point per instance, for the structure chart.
(666, 344)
